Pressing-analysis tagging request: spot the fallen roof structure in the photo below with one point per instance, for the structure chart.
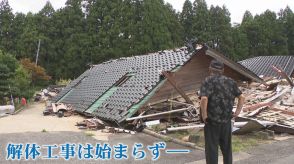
(262, 65)
(119, 89)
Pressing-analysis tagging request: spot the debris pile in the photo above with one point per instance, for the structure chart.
(275, 106)
(93, 124)
(48, 93)
(265, 107)
(97, 124)
(59, 109)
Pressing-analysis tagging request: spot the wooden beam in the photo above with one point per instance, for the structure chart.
(157, 114)
(283, 74)
(185, 127)
(174, 84)
(180, 102)
(236, 124)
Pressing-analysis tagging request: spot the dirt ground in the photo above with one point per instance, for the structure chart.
(31, 119)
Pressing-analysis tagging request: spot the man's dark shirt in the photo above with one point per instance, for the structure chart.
(221, 92)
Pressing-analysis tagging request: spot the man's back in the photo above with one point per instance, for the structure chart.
(221, 92)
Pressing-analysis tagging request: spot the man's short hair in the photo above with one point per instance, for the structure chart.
(216, 65)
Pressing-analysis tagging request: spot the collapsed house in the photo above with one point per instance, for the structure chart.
(276, 105)
(118, 90)
(262, 65)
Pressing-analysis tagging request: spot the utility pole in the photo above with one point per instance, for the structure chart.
(38, 52)
(11, 97)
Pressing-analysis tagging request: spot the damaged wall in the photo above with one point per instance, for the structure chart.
(190, 76)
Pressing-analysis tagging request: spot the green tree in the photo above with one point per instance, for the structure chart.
(20, 83)
(8, 65)
(27, 43)
(186, 19)
(286, 18)
(220, 30)
(4, 82)
(18, 29)
(272, 41)
(240, 44)
(201, 21)
(247, 17)
(72, 41)
(6, 22)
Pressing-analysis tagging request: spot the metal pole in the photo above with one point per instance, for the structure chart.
(38, 51)
(11, 97)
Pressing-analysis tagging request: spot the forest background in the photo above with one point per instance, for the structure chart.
(87, 32)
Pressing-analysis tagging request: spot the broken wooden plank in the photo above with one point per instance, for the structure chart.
(277, 95)
(185, 127)
(169, 100)
(286, 104)
(157, 114)
(256, 106)
(283, 74)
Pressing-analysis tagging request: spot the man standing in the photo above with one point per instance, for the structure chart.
(218, 94)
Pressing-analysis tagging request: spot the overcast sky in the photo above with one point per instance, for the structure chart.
(236, 7)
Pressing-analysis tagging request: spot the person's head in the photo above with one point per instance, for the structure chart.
(216, 67)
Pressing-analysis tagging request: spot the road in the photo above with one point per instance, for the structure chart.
(27, 126)
(51, 138)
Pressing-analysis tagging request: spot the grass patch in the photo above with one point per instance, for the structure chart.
(89, 134)
(179, 134)
(167, 139)
(239, 142)
(159, 127)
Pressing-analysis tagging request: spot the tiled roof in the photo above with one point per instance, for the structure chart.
(262, 65)
(145, 72)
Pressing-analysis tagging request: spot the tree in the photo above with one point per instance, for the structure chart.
(8, 65)
(71, 44)
(38, 73)
(27, 44)
(286, 18)
(186, 19)
(46, 34)
(20, 83)
(272, 41)
(220, 30)
(201, 21)
(247, 17)
(18, 25)
(5, 74)
(6, 19)
(240, 44)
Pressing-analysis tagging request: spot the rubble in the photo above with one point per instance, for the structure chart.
(117, 130)
(97, 124)
(264, 109)
(93, 124)
(59, 109)
(48, 93)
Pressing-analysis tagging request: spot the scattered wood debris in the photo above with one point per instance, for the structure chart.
(59, 109)
(264, 108)
(117, 130)
(48, 93)
(93, 124)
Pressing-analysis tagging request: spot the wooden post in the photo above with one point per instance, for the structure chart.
(174, 84)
